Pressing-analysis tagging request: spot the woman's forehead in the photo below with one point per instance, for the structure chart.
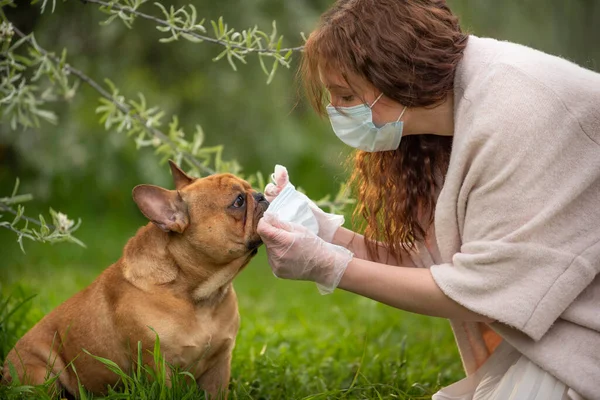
(333, 79)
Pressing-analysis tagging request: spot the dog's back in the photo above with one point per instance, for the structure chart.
(84, 321)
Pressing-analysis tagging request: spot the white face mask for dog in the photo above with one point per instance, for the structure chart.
(292, 206)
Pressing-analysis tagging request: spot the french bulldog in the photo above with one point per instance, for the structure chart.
(174, 280)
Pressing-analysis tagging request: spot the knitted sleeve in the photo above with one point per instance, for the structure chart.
(523, 190)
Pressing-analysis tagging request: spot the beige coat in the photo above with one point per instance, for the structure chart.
(517, 223)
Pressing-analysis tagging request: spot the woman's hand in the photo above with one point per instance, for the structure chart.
(328, 223)
(281, 179)
(296, 253)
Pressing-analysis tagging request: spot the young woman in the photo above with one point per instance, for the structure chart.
(478, 160)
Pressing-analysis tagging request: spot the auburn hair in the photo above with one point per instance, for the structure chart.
(409, 50)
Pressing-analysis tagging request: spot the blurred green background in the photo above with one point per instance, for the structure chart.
(87, 172)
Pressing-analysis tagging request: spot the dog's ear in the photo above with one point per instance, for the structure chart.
(180, 178)
(165, 208)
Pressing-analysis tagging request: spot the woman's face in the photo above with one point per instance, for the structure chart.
(357, 91)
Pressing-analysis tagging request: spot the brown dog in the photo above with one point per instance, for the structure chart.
(174, 276)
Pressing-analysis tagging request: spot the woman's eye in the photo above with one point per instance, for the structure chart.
(347, 99)
(239, 202)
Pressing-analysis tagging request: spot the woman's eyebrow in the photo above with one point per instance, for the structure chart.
(335, 86)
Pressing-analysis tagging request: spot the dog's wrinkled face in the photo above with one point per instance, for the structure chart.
(224, 213)
(216, 215)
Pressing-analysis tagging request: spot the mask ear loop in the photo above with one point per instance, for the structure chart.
(402, 113)
(376, 100)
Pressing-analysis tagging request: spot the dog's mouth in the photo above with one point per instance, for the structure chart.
(253, 245)
(256, 241)
(261, 206)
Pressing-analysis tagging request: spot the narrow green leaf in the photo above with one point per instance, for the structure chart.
(221, 27)
(191, 38)
(16, 308)
(215, 28)
(19, 42)
(44, 230)
(194, 13)
(111, 365)
(198, 139)
(248, 38)
(16, 188)
(18, 217)
(273, 70)
(108, 20)
(221, 55)
(165, 148)
(168, 40)
(163, 9)
(240, 57)
(139, 359)
(262, 64)
(230, 60)
(274, 33)
(20, 241)
(288, 54)
(76, 241)
(13, 374)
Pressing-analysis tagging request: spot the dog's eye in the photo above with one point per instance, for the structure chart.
(239, 202)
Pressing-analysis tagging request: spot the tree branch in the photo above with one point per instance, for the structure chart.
(6, 208)
(10, 228)
(189, 32)
(123, 107)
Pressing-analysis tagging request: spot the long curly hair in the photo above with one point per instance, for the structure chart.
(409, 50)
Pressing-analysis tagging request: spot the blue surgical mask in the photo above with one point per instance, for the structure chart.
(354, 126)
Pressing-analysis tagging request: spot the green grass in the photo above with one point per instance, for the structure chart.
(293, 343)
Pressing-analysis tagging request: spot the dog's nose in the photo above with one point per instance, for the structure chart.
(259, 197)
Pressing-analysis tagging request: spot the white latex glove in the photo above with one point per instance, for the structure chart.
(328, 223)
(296, 253)
(281, 179)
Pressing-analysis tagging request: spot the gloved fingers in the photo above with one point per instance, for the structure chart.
(280, 180)
(272, 234)
(274, 221)
(272, 191)
(290, 226)
(279, 236)
(304, 256)
(280, 176)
